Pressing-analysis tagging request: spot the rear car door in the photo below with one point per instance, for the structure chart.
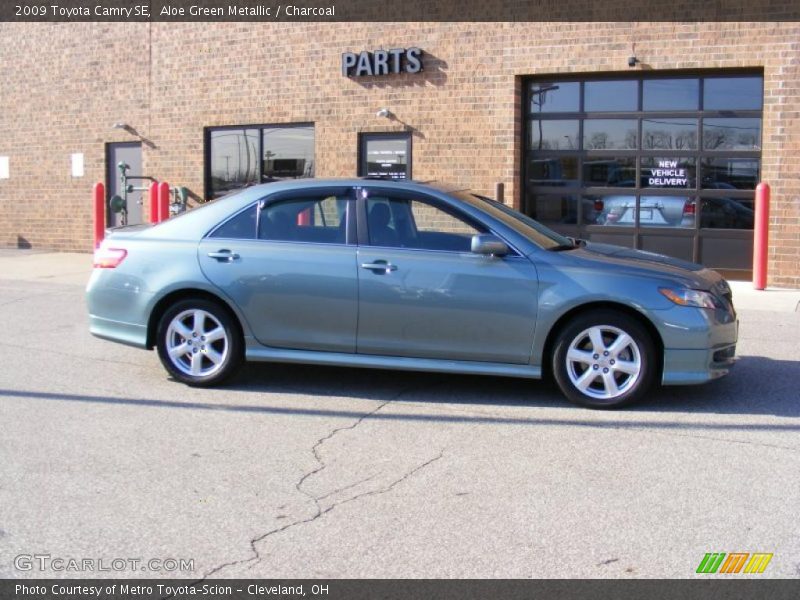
(424, 294)
(286, 262)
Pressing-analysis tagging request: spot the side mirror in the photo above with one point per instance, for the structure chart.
(489, 244)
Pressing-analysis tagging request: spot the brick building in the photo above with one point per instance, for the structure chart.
(662, 155)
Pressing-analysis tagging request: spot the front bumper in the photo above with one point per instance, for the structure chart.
(700, 345)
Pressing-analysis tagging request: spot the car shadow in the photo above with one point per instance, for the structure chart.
(757, 385)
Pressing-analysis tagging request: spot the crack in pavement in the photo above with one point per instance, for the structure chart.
(319, 512)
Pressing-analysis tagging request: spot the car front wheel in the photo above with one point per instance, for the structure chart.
(198, 342)
(604, 359)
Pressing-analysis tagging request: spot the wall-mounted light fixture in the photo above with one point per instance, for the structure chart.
(384, 113)
(132, 131)
(632, 61)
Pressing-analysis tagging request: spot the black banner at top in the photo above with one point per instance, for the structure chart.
(398, 10)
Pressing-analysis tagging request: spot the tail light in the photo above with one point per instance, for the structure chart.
(689, 208)
(108, 258)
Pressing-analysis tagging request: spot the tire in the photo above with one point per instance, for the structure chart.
(199, 342)
(593, 342)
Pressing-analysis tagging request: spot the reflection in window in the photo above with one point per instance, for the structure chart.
(733, 93)
(234, 159)
(667, 211)
(288, 153)
(605, 96)
(726, 213)
(559, 134)
(671, 94)
(612, 210)
(609, 172)
(732, 134)
(669, 173)
(554, 171)
(556, 96)
(730, 173)
(669, 134)
(552, 208)
(609, 134)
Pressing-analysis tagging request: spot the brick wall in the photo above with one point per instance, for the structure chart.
(64, 85)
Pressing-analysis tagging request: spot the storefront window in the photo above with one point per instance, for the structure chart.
(732, 134)
(618, 171)
(669, 134)
(609, 134)
(555, 96)
(607, 96)
(556, 134)
(672, 152)
(285, 151)
(561, 171)
(671, 94)
(733, 93)
(731, 173)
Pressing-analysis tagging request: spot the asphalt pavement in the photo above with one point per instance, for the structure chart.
(311, 472)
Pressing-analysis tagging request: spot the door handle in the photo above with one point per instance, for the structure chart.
(379, 266)
(224, 255)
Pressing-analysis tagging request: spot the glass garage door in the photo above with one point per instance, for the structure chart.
(666, 163)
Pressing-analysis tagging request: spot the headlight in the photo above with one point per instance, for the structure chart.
(687, 297)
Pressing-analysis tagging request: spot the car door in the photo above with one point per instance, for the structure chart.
(286, 262)
(423, 293)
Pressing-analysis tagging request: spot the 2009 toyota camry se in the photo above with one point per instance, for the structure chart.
(401, 275)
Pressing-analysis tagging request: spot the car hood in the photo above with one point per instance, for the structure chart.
(640, 262)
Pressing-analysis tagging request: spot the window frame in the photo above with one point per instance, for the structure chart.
(207, 134)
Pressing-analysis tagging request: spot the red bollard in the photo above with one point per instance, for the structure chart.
(99, 197)
(153, 196)
(163, 201)
(761, 237)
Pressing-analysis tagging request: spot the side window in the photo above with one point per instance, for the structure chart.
(240, 227)
(310, 220)
(410, 223)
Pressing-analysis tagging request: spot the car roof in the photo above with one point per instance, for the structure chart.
(406, 184)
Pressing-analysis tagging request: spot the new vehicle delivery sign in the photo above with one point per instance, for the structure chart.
(667, 174)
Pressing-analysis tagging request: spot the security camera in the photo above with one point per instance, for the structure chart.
(384, 113)
(632, 60)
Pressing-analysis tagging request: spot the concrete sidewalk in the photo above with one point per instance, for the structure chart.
(51, 267)
(74, 268)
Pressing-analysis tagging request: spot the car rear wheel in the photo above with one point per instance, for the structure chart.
(604, 359)
(198, 342)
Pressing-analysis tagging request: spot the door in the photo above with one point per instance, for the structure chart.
(129, 153)
(423, 293)
(287, 264)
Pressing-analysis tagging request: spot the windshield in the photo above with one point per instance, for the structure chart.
(524, 225)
